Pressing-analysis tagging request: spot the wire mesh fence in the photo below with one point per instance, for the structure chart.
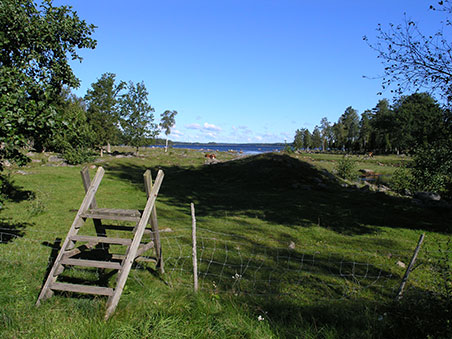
(234, 264)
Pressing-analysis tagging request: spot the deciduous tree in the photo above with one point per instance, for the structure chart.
(103, 109)
(167, 121)
(137, 115)
(35, 46)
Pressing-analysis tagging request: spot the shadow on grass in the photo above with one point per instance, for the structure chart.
(10, 230)
(284, 190)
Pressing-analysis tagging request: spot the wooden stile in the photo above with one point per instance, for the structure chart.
(121, 263)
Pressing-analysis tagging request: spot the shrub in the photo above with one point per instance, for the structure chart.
(346, 168)
(402, 180)
(76, 156)
(432, 169)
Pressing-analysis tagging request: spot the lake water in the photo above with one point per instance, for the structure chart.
(241, 148)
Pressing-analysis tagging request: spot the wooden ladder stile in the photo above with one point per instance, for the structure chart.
(134, 247)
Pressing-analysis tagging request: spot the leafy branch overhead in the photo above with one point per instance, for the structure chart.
(415, 60)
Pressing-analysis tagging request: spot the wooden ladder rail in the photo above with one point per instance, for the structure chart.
(132, 250)
(78, 222)
(154, 223)
(100, 229)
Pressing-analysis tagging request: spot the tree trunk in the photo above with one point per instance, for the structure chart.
(166, 146)
(108, 148)
(101, 152)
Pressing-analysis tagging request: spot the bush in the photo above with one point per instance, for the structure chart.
(402, 180)
(432, 169)
(346, 168)
(75, 156)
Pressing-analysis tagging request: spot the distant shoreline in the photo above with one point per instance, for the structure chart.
(238, 148)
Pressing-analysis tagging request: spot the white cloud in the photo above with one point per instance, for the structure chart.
(193, 126)
(211, 127)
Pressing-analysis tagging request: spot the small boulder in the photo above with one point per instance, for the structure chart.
(54, 158)
(401, 264)
(427, 196)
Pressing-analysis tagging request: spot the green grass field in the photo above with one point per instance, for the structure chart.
(285, 251)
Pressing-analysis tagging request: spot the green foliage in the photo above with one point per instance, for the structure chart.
(350, 122)
(432, 168)
(298, 139)
(103, 109)
(136, 116)
(77, 155)
(35, 45)
(402, 180)
(168, 121)
(418, 121)
(346, 168)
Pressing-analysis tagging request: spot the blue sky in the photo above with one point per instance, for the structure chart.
(243, 71)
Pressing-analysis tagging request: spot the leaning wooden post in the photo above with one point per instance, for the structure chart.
(154, 222)
(410, 267)
(194, 255)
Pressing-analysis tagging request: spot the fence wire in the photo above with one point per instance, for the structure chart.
(230, 263)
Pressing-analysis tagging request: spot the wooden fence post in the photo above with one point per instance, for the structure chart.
(410, 267)
(194, 254)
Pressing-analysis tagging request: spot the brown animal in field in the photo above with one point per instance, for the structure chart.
(210, 156)
(370, 154)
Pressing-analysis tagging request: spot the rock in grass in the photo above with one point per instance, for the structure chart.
(401, 264)
(427, 196)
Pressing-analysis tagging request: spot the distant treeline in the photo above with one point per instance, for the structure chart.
(410, 122)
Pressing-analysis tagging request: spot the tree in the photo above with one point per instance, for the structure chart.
(365, 130)
(414, 60)
(327, 133)
(383, 127)
(316, 139)
(298, 139)
(73, 135)
(103, 109)
(418, 120)
(306, 139)
(339, 135)
(136, 115)
(166, 123)
(35, 46)
(350, 122)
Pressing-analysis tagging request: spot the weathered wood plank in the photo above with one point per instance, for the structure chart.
(138, 259)
(104, 240)
(100, 230)
(91, 263)
(80, 249)
(83, 289)
(125, 228)
(113, 214)
(132, 250)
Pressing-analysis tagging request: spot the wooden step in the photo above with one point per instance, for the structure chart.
(82, 289)
(104, 240)
(92, 263)
(125, 228)
(112, 214)
(139, 258)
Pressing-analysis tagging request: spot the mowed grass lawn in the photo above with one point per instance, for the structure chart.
(267, 206)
